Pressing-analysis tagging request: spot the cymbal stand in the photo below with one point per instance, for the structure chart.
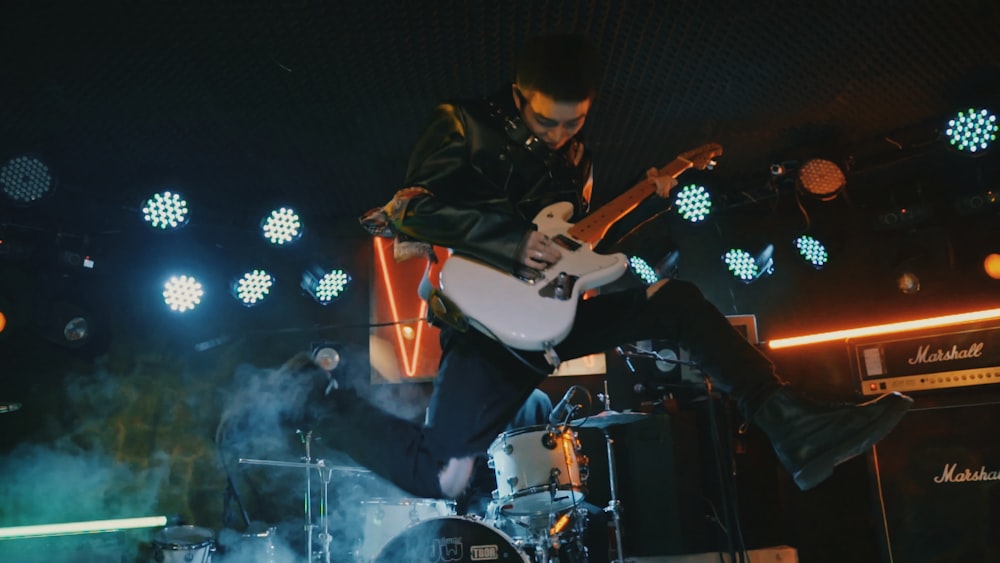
(306, 438)
(324, 536)
(614, 505)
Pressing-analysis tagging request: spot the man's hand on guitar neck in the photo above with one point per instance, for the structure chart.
(539, 251)
(664, 184)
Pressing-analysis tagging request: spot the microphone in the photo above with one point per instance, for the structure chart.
(9, 407)
(563, 408)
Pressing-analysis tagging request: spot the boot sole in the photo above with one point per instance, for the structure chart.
(821, 467)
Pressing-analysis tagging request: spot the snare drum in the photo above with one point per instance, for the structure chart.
(455, 539)
(537, 471)
(183, 544)
(384, 518)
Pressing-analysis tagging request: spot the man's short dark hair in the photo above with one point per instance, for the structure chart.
(564, 66)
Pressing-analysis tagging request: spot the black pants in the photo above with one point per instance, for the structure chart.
(480, 385)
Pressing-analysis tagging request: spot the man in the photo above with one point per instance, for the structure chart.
(478, 175)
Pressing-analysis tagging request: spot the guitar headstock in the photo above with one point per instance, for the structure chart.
(703, 157)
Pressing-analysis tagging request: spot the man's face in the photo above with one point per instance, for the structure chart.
(554, 123)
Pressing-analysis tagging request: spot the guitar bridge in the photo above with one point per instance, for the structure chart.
(561, 287)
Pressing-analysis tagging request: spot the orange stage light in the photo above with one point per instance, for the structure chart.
(992, 266)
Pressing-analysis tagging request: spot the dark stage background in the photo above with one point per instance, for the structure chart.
(242, 106)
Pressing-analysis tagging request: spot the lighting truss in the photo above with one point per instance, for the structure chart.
(693, 203)
(972, 131)
(25, 180)
(252, 287)
(166, 210)
(182, 293)
(281, 226)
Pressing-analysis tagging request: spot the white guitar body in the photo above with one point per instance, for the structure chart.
(531, 314)
(538, 313)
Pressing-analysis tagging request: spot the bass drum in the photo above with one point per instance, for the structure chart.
(454, 539)
(183, 544)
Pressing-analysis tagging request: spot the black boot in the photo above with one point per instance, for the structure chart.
(811, 438)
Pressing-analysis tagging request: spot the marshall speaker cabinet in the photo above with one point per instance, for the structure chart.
(936, 476)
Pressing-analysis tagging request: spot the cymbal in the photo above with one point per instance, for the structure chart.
(606, 419)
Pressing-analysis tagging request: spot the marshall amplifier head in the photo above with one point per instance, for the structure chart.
(962, 357)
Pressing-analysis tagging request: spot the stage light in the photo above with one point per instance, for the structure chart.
(821, 179)
(25, 180)
(326, 355)
(71, 322)
(972, 131)
(281, 226)
(182, 293)
(981, 202)
(991, 265)
(908, 282)
(642, 269)
(904, 216)
(812, 251)
(165, 210)
(665, 268)
(325, 285)
(252, 287)
(749, 268)
(693, 202)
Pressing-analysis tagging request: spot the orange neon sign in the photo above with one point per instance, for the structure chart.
(888, 328)
(396, 297)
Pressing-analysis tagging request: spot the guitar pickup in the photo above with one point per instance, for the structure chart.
(566, 242)
(561, 287)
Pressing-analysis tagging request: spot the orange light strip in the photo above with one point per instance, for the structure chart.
(409, 367)
(930, 322)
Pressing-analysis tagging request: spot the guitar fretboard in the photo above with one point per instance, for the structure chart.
(592, 228)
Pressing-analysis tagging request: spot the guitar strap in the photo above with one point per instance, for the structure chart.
(518, 132)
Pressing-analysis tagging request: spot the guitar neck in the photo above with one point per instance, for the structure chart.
(592, 228)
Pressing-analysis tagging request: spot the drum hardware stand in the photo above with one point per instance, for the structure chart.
(614, 505)
(320, 465)
(325, 536)
(306, 438)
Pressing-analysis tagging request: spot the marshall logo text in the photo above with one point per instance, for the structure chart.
(950, 476)
(925, 356)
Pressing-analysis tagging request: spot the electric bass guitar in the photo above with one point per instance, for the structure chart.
(535, 310)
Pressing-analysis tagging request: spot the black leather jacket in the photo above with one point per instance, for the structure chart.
(487, 178)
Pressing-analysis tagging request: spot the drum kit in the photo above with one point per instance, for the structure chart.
(537, 513)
